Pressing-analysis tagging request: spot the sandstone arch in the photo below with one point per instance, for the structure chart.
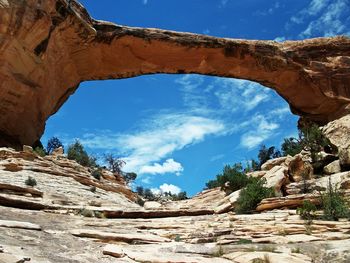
(48, 48)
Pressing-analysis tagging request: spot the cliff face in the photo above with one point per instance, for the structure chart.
(48, 48)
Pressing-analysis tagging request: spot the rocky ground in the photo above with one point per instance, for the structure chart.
(70, 216)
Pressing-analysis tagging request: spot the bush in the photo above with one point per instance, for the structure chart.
(233, 175)
(77, 152)
(30, 181)
(252, 195)
(97, 174)
(334, 205)
(40, 151)
(307, 211)
(53, 144)
(140, 201)
(291, 146)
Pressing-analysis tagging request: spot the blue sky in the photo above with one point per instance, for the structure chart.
(178, 131)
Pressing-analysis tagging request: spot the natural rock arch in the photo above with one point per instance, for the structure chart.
(48, 48)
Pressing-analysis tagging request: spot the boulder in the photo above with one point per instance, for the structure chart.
(276, 178)
(338, 132)
(58, 151)
(27, 149)
(332, 168)
(256, 174)
(272, 163)
(299, 169)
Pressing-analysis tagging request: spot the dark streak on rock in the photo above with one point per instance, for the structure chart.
(19, 77)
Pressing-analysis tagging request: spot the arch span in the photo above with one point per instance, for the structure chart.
(47, 48)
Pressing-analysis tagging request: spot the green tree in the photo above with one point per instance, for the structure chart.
(53, 144)
(140, 190)
(129, 177)
(77, 152)
(231, 179)
(149, 195)
(266, 154)
(291, 146)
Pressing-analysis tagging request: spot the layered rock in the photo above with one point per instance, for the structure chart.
(47, 48)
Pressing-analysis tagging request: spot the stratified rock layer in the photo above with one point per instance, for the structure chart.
(48, 48)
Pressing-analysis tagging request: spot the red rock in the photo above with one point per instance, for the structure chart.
(47, 49)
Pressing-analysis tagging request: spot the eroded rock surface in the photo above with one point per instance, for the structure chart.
(48, 48)
(62, 220)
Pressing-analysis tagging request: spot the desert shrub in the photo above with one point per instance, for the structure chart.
(231, 179)
(334, 205)
(307, 211)
(77, 152)
(252, 194)
(97, 174)
(40, 151)
(140, 201)
(53, 144)
(243, 241)
(30, 181)
(87, 212)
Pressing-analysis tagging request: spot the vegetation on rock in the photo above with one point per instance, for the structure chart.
(77, 152)
(30, 181)
(252, 194)
(334, 205)
(231, 179)
(53, 144)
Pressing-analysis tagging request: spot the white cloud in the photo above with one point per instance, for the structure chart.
(191, 94)
(217, 157)
(157, 139)
(237, 94)
(261, 129)
(169, 166)
(165, 188)
(280, 112)
(325, 18)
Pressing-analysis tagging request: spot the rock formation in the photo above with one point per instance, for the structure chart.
(71, 216)
(47, 48)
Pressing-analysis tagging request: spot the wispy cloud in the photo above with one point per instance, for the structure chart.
(261, 129)
(169, 166)
(324, 18)
(236, 94)
(217, 157)
(158, 139)
(165, 188)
